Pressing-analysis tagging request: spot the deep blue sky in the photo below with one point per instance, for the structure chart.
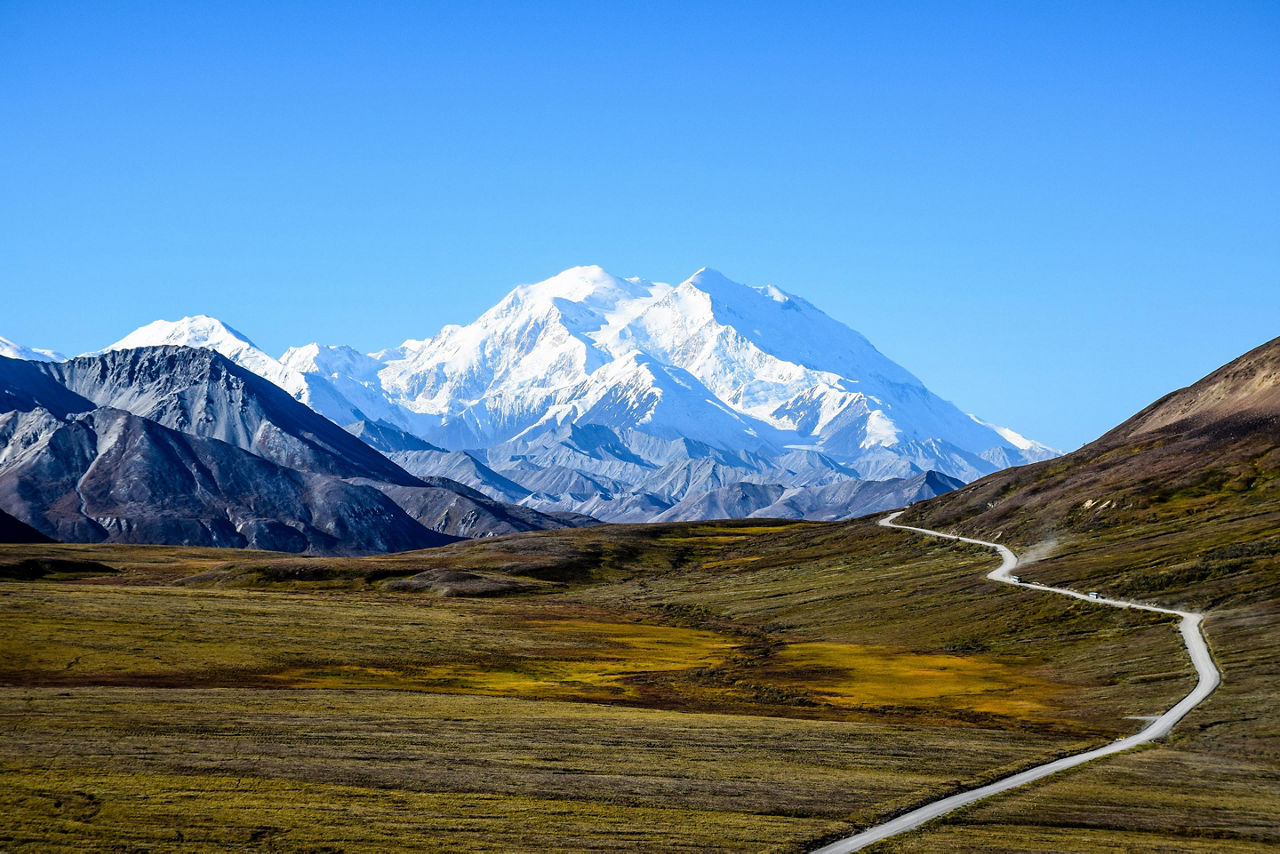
(1051, 212)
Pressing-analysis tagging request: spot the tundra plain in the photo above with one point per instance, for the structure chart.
(699, 686)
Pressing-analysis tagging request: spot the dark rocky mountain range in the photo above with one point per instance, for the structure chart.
(14, 531)
(181, 446)
(107, 475)
(204, 394)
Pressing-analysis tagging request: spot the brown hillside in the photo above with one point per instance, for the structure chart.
(1218, 437)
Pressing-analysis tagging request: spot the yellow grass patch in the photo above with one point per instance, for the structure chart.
(737, 561)
(853, 675)
(579, 659)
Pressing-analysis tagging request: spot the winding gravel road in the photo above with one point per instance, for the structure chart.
(1158, 728)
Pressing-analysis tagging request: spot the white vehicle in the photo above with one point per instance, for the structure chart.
(1094, 595)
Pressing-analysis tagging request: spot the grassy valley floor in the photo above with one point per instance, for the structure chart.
(706, 686)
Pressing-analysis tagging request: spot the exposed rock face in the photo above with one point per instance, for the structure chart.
(173, 445)
(204, 394)
(109, 476)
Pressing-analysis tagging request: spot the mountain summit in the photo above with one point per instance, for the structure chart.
(709, 360)
(707, 371)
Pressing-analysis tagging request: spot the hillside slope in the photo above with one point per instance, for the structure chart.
(1212, 445)
(1178, 506)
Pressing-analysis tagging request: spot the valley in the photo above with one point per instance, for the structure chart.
(725, 685)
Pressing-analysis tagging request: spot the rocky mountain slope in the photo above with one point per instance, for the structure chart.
(198, 391)
(106, 475)
(181, 446)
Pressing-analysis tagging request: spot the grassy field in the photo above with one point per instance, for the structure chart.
(1202, 537)
(718, 686)
(452, 771)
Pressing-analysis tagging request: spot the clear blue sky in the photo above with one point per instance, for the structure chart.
(1051, 212)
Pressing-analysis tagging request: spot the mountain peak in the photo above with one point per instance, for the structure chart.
(198, 330)
(586, 284)
(716, 284)
(331, 360)
(203, 332)
(711, 277)
(706, 271)
(14, 350)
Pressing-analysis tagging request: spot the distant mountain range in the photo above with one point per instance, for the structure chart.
(12, 350)
(618, 399)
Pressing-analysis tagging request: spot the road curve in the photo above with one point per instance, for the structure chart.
(1189, 625)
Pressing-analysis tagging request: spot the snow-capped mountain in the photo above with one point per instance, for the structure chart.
(708, 360)
(302, 371)
(14, 350)
(606, 383)
(209, 333)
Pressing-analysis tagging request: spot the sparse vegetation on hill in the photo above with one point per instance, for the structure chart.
(1180, 505)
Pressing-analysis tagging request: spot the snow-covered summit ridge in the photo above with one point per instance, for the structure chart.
(710, 360)
(311, 374)
(790, 374)
(209, 333)
(14, 350)
(198, 330)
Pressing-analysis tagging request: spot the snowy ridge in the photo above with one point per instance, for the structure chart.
(705, 369)
(14, 350)
(310, 374)
(208, 333)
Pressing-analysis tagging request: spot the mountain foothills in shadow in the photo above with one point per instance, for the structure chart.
(15, 531)
(180, 446)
